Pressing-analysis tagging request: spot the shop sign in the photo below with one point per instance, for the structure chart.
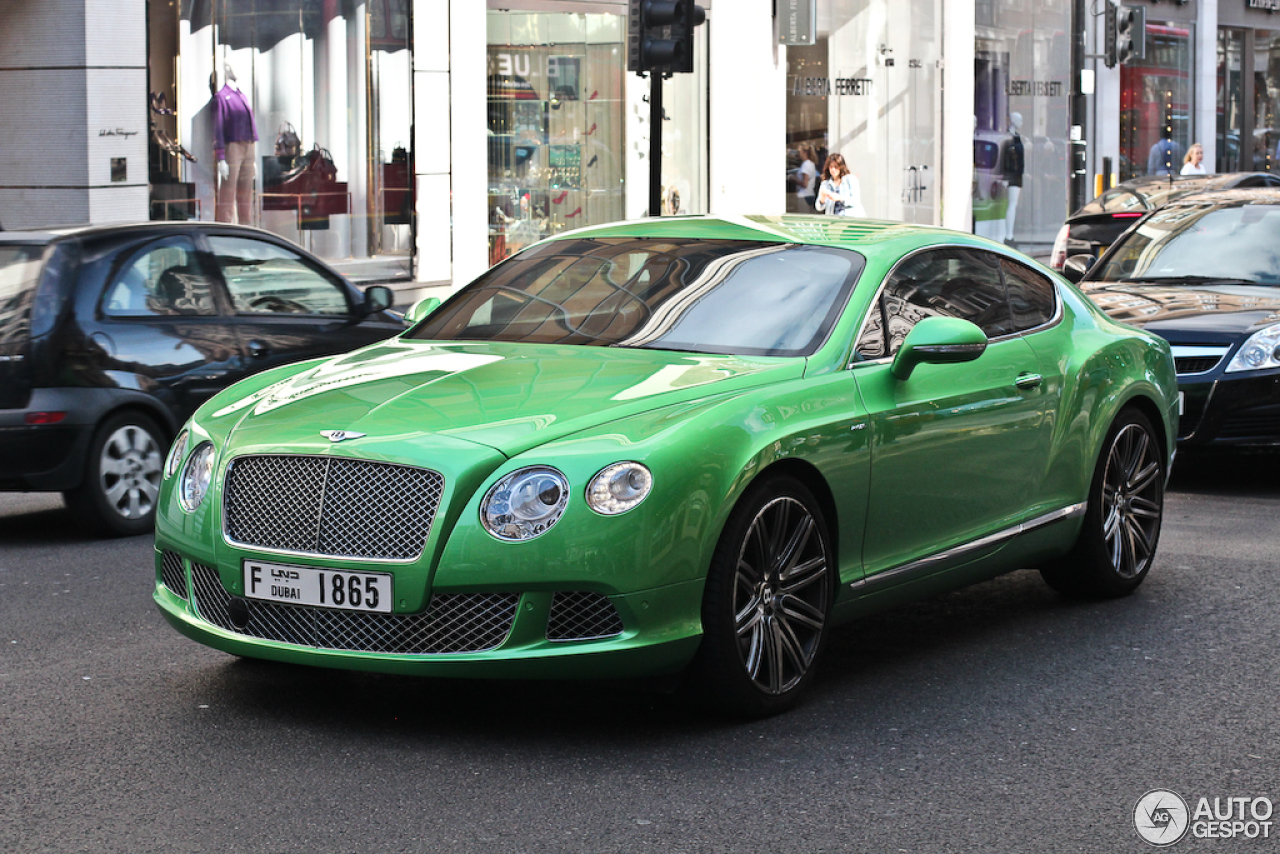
(1268, 5)
(1045, 88)
(825, 87)
(797, 22)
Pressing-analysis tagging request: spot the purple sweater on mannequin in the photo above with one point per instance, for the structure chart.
(232, 120)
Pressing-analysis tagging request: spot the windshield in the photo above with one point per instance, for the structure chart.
(1195, 244)
(696, 295)
(19, 274)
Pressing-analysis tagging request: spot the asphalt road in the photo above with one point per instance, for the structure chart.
(999, 718)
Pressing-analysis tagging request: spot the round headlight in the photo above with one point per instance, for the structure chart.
(525, 503)
(1261, 351)
(176, 453)
(618, 488)
(196, 477)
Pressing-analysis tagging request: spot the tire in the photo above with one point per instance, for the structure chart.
(122, 478)
(767, 604)
(1121, 528)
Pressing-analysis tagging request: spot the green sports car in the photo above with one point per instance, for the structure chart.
(683, 445)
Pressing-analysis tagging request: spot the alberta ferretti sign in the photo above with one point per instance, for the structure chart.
(1268, 5)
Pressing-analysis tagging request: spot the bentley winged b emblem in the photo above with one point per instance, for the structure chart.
(340, 435)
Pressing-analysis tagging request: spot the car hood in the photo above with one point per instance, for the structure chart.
(1229, 311)
(511, 397)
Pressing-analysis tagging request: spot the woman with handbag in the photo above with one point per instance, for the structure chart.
(839, 193)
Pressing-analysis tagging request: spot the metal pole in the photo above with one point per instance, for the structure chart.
(1079, 109)
(655, 143)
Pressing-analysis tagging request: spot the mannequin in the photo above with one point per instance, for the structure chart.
(1013, 164)
(234, 135)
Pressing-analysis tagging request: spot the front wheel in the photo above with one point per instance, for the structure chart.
(122, 479)
(767, 604)
(1121, 527)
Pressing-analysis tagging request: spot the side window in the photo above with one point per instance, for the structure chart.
(266, 279)
(1033, 299)
(962, 283)
(164, 279)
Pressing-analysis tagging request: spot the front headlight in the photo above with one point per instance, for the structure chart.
(525, 503)
(618, 488)
(175, 453)
(1262, 350)
(196, 477)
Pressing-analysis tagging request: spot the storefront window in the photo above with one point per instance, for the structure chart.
(1021, 142)
(869, 89)
(1156, 104)
(1230, 98)
(1266, 97)
(294, 116)
(561, 151)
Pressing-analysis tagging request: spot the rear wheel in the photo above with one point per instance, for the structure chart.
(1121, 527)
(767, 605)
(122, 480)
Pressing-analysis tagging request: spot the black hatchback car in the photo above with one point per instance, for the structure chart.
(111, 336)
(1093, 228)
(1203, 272)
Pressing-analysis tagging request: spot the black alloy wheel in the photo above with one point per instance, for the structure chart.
(767, 606)
(1121, 528)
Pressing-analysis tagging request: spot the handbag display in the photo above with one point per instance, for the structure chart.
(312, 189)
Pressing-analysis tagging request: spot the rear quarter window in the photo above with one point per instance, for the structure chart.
(20, 267)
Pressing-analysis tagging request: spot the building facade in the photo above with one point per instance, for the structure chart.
(423, 140)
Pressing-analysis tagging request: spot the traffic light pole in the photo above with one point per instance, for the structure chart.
(655, 143)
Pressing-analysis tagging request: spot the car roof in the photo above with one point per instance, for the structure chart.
(1231, 198)
(844, 232)
(1152, 191)
(49, 234)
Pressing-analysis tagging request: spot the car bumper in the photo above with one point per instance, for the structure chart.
(541, 634)
(1231, 411)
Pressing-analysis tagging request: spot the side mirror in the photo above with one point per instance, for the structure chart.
(1076, 266)
(378, 298)
(939, 341)
(421, 309)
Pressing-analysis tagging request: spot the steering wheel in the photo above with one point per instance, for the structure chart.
(278, 305)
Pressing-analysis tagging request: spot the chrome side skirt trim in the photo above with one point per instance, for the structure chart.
(925, 565)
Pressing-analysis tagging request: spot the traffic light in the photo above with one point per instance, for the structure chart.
(1131, 33)
(1109, 34)
(660, 35)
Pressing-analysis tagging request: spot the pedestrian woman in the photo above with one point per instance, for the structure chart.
(1191, 164)
(839, 193)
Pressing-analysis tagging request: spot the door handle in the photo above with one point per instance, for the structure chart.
(259, 349)
(1028, 381)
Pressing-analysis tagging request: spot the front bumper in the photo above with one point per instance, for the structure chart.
(475, 634)
(1232, 410)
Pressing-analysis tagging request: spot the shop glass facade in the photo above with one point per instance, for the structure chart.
(1021, 140)
(1156, 102)
(1248, 100)
(869, 89)
(308, 105)
(568, 127)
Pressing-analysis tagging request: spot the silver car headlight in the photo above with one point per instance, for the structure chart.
(176, 453)
(525, 503)
(196, 477)
(618, 488)
(1262, 350)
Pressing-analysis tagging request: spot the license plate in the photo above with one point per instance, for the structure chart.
(321, 588)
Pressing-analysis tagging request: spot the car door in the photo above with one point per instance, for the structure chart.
(161, 324)
(287, 307)
(949, 443)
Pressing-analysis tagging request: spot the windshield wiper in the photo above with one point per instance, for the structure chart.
(1192, 280)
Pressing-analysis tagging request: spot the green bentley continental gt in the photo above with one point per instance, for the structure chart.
(688, 445)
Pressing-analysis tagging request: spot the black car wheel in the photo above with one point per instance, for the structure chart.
(767, 604)
(1122, 524)
(122, 480)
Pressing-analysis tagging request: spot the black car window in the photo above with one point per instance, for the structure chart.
(163, 279)
(1033, 299)
(962, 283)
(19, 274)
(264, 278)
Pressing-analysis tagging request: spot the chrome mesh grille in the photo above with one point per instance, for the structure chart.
(454, 622)
(577, 615)
(330, 506)
(172, 574)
